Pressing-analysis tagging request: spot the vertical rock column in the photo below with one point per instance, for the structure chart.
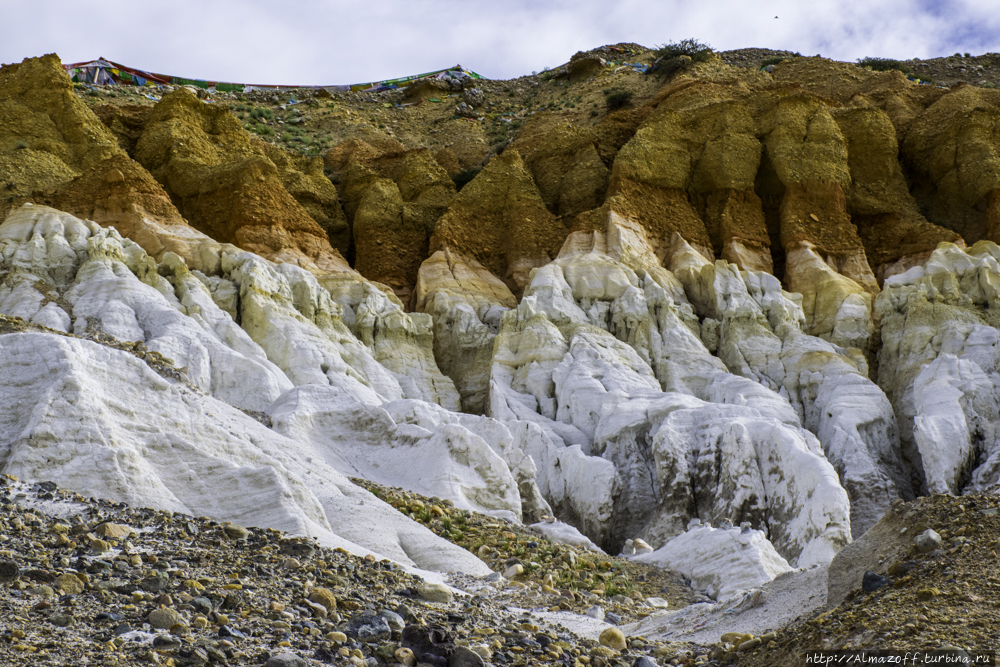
(825, 259)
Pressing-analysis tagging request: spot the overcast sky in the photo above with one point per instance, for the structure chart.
(314, 42)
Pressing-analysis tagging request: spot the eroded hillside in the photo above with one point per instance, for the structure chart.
(721, 324)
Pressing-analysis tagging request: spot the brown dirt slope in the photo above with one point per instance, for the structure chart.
(118, 192)
(224, 183)
(393, 200)
(500, 219)
(944, 597)
(48, 136)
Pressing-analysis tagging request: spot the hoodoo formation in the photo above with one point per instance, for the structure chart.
(731, 322)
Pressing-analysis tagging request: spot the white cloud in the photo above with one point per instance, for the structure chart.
(337, 41)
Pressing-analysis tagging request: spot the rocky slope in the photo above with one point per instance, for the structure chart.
(723, 329)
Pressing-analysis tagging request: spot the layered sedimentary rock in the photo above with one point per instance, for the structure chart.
(952, 152)
(894, 232)
(666, 316)
(394, 201)
(568, 170)
(500, 219)
(304, 179)
(690, 170)
(48, 136)
(466, 302)
(119, 193)
(806, 166)
(225, 184)
(105, 424)
(76, 277)
(756, 329)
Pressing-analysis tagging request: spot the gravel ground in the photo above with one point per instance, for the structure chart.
(90, 582)
(928, 600)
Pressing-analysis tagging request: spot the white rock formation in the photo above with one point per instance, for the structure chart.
(557, 531)
(103, 423)
(956, 406)
(466, 302)
(76, 277)
(587, 356)
(413, 444)
(836, 301)
(940, 366)
(760, 336)
(724, 562)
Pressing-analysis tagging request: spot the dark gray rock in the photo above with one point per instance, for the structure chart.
(9, 570)
(394, 620)
(873, 582)
(366, 626)
(286, 660)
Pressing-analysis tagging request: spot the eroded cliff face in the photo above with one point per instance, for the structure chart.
(746, 300)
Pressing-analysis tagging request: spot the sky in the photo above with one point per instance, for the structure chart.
(322, 42)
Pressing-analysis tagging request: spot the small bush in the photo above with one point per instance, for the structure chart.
(691, 48)
(882, 64)
(464, 176)
(618, 99)
(676, 56)
(773, 60)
